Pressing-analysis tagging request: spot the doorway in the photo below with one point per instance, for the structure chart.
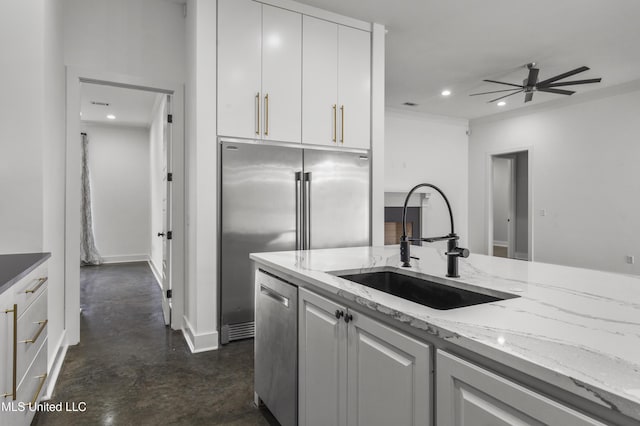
(126, 195)
(509, 206)
(167, 228)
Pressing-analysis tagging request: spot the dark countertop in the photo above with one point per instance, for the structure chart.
(13, 267)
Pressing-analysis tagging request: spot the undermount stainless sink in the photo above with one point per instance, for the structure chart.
(425, 292)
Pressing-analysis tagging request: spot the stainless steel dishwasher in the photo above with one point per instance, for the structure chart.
(276, 347)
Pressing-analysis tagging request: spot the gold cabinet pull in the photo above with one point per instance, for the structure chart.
(335, 121)
(43, 378)
(43, 324)
(258, 113)
(15, 351)
(41, 281)
(266, 114)
(342, 124)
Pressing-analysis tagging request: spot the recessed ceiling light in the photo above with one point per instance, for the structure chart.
(111, 117)
(446, 92)
(501, 103)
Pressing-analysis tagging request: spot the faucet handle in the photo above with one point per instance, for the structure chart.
(459, 252)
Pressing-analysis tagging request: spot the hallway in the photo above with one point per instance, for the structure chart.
(131, 369)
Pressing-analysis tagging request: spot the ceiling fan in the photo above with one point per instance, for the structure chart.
(531, 84)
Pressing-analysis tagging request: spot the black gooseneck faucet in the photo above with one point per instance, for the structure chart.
(453, 251)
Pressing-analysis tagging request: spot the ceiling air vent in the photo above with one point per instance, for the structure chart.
(411, 104)
(106, 104)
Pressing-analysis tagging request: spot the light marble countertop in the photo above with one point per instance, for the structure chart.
(574, 328)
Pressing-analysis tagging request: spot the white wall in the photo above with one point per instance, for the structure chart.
(120, 184)
(54, 177)
(157, 187)
(21, 126)
(201, 294)
(584, 175)
(421, 148)
(143, 38)
(501, 178)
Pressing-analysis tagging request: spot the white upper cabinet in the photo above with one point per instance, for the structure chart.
(336, 84)
(239, 68)
(354, 87)
(259, 71)
(281, 74)
(319, 81)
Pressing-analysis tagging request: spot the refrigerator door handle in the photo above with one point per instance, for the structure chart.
(299, 224)
(307, 210)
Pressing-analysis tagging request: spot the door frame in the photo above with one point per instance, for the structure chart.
(489, 199)
(75, 76)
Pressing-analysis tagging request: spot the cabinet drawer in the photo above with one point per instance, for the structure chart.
(29, 288)
(32, 332)
(29, 390)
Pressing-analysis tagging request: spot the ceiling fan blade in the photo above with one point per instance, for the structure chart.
(533, 77)
(494, 91)
(506, 96)
(563, 75)
(571, 83)
(528, 97)
(502, 82)
(556, 91)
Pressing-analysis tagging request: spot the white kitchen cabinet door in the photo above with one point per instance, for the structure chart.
(239, 68)
(389, 376)
(281, 74)
(468, 395)
(354, 87)
(322, 351)
(319, 81)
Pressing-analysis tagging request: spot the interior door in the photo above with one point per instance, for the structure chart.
(166, 212)
(336, 199)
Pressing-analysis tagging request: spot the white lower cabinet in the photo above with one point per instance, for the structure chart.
(354, 370)
(23, 347)
(468, 395)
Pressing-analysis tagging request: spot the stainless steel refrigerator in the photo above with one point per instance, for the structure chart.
(276, 198)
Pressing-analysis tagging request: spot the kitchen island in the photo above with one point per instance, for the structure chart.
(570, 338)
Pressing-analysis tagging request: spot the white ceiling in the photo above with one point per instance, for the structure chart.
(436, 44)
(131, 107)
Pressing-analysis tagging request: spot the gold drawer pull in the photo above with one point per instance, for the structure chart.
(15, 351)
(43, 324)
(41, 281)
(342, 126)
(43, 378)
(335, 121)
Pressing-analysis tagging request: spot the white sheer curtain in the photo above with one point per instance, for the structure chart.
(88, 252)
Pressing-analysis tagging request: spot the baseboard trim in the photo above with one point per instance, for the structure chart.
(199, 342)
(156, 273)
(500, 243)
(126, 258)
(56, 367)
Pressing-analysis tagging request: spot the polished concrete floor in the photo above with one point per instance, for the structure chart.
(130, 369)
